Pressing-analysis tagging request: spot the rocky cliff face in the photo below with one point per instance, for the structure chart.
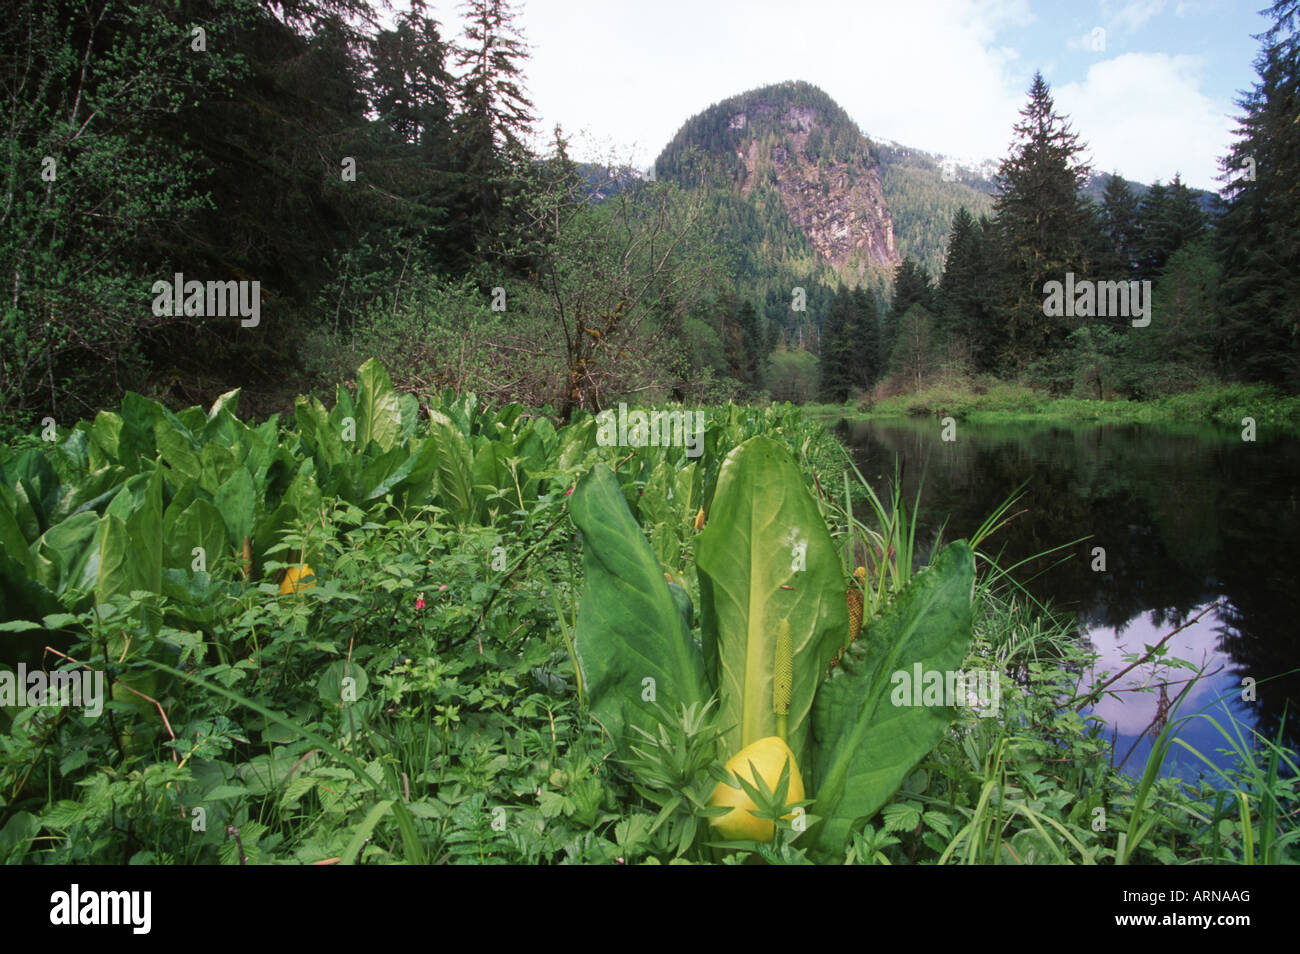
(836, 201)
(793, 140)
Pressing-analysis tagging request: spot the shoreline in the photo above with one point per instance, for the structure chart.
(1223, 407)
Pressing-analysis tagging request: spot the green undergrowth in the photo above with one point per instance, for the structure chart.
(419, 702)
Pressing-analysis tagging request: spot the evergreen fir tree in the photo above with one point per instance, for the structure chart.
(1119, 225)
(410, 87)
(495, 113)
(753, 351)
(837, 352)
(1151, 216)
(912, 284)
(742, 339)
(1042, 221)
(1169, 218)
(1187, 220)
(1259, 233)
(868, 359)
(966, 291)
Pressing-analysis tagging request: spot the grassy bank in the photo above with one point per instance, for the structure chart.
(1222, 405)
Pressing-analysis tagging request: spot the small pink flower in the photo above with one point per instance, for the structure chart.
(419, 602)
(569, 491)
(441, 588)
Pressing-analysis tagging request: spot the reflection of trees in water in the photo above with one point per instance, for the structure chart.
(1184, 518)
(1260, 627)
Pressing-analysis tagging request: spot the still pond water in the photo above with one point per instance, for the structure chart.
(1186, 517)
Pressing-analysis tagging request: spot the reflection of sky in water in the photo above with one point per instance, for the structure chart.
(1129, 714)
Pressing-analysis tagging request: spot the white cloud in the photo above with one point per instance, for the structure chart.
(1132, 15)
(1094, 41)
(1144, 115)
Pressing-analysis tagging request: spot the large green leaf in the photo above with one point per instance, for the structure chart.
(318, 434)
(686, 492)
(766, 556)
(412, 484)
(176, 444)
(200, 524)
(222, 426)
(237, 501)
(629, 628)
(455, 479)
(36, 489)
(459, 409)
(409, 413)
(378, 469)
(531, 447)
(93, 491)
(72, 454)
(62, 551)
(546, 435)
(145, 529)
(21, 597)
(12, 540)
(24, 516)
(654, 504)
(303, 494)
(218, 465)
(119, 567)
(106, 435)
(136, 439)
(193, 419)
(257, 449)
(490, 474)
(228, 402)
(344, 407)
(574, 442)
(128, 497)
(866, 745)
(379, 413)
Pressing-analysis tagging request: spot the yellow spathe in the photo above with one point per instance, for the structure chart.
(768, 757)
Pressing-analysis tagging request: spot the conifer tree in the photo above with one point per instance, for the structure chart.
(1169, 218)
(1187, 221)
(410, 87)
(1120, 231)
(911, 286)
(837, 352)
(1042, 221)
(868, 364)
(495, 112)
(912, 282)
(742, 339)
(752, 350)
(965, 297)
(1259, 233)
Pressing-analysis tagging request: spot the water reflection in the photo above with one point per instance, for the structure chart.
(1140, 701)
(1182, 517)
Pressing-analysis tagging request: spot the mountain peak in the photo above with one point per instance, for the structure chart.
(792, 139)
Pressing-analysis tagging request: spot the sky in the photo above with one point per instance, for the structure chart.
(1149, 85)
